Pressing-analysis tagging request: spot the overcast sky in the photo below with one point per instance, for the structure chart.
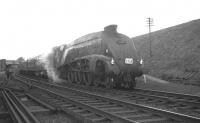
(32, 27)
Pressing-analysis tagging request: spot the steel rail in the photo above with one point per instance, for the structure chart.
(103, 113)
(165, 113)
(182, 103)
(169, 93)
(51, 108)
(19, 113)
(166, 96)
(12, 111)
(137, 90)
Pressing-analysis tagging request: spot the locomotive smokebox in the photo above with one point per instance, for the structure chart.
(111, 28)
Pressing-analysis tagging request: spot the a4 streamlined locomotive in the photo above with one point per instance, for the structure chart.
(105, 58)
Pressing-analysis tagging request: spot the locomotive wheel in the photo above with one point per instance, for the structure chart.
(89, 78)
(131, 84)
(118, 82)
(75, 76)
(70, 77)
(82, 82)
(96, 83)
(80, 78)
(84, 79)
(109, 82)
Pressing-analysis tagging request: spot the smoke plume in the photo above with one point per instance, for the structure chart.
(50, 67)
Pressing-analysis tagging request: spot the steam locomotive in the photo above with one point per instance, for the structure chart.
(106, 58)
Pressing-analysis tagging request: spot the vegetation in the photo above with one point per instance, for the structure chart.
(20, 59)
(176, 51)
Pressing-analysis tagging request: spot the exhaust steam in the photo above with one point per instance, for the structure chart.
(50, 67)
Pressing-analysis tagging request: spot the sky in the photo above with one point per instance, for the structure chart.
(32, 27)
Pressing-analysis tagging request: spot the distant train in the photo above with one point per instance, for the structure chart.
(105, 58)
(32, 68)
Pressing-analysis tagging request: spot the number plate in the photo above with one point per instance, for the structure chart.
(128, 60)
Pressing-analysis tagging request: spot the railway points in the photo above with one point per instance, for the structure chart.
(17, 110)
(21, 106)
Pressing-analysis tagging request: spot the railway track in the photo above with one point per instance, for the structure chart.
(94, 107)
(4, 115)
(23, 107)
(18, 112)
(175, 102)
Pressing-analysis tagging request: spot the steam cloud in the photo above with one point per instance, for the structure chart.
(49, 66)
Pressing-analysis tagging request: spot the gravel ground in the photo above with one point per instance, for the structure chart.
(43, 118)
(156, 84)
(55, 118)
(2, 108)
(6, 120)
(153, 84)
(160, 85)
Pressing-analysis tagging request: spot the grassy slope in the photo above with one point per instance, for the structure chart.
(176, 51)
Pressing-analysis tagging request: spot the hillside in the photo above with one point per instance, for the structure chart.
(176, 51)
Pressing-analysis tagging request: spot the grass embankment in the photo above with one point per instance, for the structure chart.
(175, 50)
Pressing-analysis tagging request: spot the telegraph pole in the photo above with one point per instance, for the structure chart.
(150, 23)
